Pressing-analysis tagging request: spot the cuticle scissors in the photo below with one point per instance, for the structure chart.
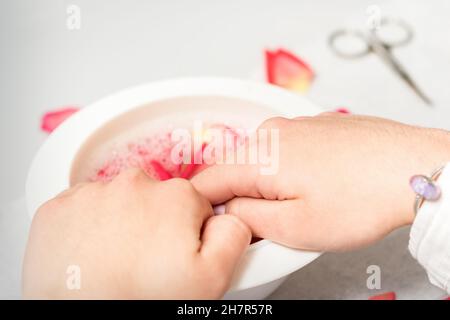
(373, 43)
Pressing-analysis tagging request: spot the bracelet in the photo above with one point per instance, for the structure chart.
(425, 188)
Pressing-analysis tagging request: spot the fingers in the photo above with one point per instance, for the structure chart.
(262, 216)
(220, 183)
(225, 239)
(282, 221)
(223, 182)
(189, 204)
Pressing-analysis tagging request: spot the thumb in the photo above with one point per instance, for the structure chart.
(224, 240)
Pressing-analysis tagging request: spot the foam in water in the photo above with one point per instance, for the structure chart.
(153, 154)
(142, 137)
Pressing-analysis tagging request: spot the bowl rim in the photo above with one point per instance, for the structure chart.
(264, 261)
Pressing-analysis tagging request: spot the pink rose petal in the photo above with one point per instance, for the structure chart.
(385, 296)
(343, 110)
(160, 171)
(51, 120)
(287, 70)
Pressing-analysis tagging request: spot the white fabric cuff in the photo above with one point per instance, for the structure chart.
(429, 241)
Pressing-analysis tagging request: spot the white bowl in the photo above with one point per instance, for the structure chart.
(266, 264)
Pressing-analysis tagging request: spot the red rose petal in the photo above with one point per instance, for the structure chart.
(51, 120)
(190, 168)
(160, 171)
(288, 71)
(343, 110)
(384, 296)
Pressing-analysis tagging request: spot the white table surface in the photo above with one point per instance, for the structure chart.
(125, 43)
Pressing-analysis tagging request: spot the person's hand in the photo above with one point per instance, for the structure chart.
(342, 183)
(132, 238)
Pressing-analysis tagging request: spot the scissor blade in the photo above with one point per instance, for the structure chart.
(416, 89)
(386, 55)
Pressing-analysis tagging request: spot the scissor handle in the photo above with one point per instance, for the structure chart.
(359, 39)
(365, 41)
(383, 30)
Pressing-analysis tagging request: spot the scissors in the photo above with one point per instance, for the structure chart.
(374, 42)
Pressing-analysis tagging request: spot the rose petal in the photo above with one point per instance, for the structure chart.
(51, 120)
(385, 296)
(162, 173)
(343, 110)
(288, 71)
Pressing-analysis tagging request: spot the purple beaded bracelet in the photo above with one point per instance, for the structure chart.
(425, 188)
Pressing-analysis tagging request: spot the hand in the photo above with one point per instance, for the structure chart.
(342, 183)
(133, 238)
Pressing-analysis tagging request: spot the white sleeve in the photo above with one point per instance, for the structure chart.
(429, 240)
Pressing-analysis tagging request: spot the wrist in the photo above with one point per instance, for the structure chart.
(441, 139)
(434, 152)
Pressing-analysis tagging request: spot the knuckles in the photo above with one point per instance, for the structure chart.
(181, 185)
(274, 123)
(182, 190)
(49, 208)
(131, 177)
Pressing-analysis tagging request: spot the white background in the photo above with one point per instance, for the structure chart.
(43, 65)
